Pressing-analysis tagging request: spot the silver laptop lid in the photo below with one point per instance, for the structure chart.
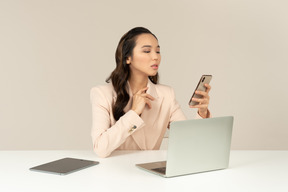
(199, 145)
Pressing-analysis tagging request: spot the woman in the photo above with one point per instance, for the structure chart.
(132, 111)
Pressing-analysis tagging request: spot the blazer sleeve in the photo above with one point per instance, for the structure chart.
(105, 136)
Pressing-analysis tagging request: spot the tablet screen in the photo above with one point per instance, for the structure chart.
(64, 166)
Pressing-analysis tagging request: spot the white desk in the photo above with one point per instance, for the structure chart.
(249, 171)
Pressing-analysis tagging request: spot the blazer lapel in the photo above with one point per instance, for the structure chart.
(138, 135)
(147, 136)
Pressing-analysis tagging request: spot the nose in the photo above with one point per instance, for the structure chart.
(155, 56)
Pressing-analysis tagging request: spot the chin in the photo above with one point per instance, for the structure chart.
(153, 74)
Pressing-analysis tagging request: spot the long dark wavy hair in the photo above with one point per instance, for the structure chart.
(121, 73)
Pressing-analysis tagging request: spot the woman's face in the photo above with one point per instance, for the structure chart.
(146, 56)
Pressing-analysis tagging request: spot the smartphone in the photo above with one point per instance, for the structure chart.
(205, 79)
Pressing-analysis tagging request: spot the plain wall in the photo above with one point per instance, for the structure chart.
(53, 52)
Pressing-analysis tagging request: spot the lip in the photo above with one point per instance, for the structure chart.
(155, 66)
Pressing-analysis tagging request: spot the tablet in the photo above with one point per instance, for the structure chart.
(64, 166)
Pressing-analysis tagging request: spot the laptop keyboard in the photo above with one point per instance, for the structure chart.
(160, 170)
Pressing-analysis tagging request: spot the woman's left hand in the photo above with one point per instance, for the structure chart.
(203, 102)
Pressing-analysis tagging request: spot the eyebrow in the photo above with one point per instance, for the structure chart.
(149, 46)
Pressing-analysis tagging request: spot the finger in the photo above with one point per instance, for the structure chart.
(200, 106)
(204, 96)
(142, 90)
(148, 96)
(148, 103)
(203, 93)
(208, 88)
(201, 101)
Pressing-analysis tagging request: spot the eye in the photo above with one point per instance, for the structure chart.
(146, 51)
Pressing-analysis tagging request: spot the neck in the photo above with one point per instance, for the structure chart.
(138, 83)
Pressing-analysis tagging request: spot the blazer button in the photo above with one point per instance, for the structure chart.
(132, 128)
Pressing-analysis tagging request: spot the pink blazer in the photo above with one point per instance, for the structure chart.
(132, 132)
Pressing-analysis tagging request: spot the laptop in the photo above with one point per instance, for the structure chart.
(195, 146)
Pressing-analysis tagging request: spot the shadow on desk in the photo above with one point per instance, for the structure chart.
(137, 156)
(124, 153)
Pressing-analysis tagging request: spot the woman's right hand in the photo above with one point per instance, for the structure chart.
(140, 100)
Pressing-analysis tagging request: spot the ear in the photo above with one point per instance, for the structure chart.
(128, 60)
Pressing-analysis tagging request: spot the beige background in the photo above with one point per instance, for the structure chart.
(53, 52)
